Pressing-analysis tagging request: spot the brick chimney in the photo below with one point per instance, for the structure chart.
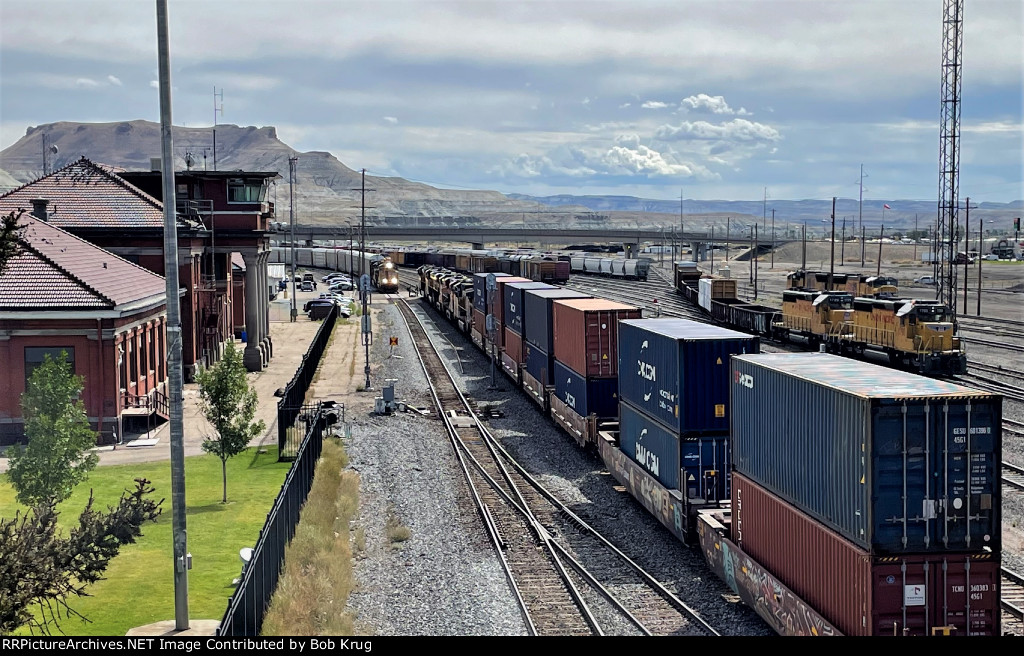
(39, 208)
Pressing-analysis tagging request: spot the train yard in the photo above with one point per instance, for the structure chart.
(662, 302)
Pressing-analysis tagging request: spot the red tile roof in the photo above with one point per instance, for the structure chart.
(88, 195)
(58, 271)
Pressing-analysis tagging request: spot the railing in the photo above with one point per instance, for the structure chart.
(248, 605)
(290, 406)
(155, 401)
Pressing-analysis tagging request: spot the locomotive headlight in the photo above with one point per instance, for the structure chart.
(394, 281)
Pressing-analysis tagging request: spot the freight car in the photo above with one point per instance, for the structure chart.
(611, 267)
(913, 333)
(891, 528)
(538, 267)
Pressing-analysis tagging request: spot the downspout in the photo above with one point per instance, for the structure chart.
(103, 386)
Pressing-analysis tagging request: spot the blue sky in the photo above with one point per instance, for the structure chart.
(719, 99)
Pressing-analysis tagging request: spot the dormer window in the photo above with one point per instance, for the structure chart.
(241, 190)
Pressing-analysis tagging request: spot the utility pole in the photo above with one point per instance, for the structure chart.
(292, 161)
(764, 211)
(967, 241)
(728, 231)
(860, 210)
(756, 248)
(179, 535)
(215, 110)
(803, 248)
(366, 291)
(832, 266)
(842, 250)
(881, 236)
(981, 232)
(680, 223)
(915, 238)
(773, 238)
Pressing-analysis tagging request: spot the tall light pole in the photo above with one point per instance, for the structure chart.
(832, 266)
(179, 535)
(292, 161)
(773, 238)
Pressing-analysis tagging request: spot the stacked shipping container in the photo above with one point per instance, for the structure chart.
(585, 349)
(674, 390)
(884, 481)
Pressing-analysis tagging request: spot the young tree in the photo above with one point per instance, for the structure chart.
(229, 404)
(40, 568)
(57, 456)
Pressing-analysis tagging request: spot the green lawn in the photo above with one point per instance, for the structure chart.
(139, 584)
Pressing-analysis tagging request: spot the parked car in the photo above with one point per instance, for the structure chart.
(341, 286)
(334, 276)
(925, 280)
(318, 308)
(991, 257)
(307, 286)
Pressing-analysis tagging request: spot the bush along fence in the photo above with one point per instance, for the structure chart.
(248, 605)
(290, 407)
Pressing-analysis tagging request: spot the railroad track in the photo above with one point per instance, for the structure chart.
(569, 580)
(1011, 598)
(999, 345)
(1013, 426)
(1013, 475)
(987, 384)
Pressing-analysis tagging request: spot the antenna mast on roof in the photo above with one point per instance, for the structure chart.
(215, 110)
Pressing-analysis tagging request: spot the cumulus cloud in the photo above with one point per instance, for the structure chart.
(114, 80)
(655, 104)
(390, 119)
(738, 129)
(627, 157)
(702, 102)
(86, 83)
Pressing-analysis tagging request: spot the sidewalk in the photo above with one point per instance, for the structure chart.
(290, 343)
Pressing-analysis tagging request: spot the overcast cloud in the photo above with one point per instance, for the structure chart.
(721, 98)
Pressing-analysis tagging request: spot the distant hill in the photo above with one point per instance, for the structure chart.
(901, 214)
(326, 190)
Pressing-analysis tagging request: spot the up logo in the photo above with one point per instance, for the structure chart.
(745, 380)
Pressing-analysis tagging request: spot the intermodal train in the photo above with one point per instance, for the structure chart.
(537, 266)
(354, 262)
(857, 315)
(835, 497)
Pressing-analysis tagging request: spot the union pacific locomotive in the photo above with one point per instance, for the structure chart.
(914, 333)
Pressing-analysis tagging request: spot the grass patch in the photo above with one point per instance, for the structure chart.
(139, 584)
(317, 580)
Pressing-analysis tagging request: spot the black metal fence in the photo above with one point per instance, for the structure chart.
(248, 605)
(290, 407)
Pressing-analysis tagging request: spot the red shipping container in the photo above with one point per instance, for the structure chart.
(918, 594)
(479, 321)
(514, 345)
(499, 305)
(586, 334)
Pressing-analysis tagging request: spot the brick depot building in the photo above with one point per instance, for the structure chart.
(219, 213)
(63, 295)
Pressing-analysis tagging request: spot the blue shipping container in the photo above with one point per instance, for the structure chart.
(703, 459)
(677, 371)
(514, 310)
(480, 289)
(895, 462)
(539, 364)
(586, 396)
(537, 324)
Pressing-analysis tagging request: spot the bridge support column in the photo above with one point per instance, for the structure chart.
(477, 246)
(630, 250)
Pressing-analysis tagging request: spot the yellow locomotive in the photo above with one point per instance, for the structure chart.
(858, 284)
